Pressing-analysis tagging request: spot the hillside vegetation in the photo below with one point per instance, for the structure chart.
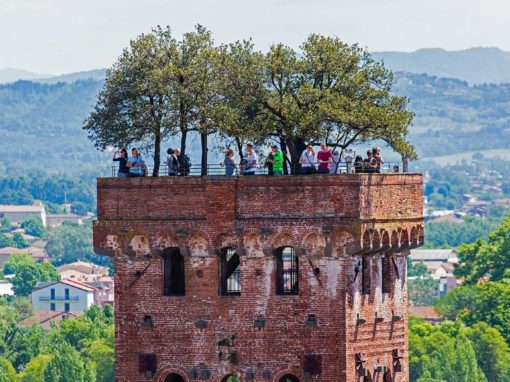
(40, 124)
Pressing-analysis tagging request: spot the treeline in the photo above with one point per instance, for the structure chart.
(329, 91)
(40, 126)
(75, 350)
(452, 116)
(474, 343)
(54, 190)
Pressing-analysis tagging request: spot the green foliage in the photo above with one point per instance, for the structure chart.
(416, 270)
(34, 371)
(472, 304)
(16, 241)
(71, 242)
(57, 189)
(32, 115)
(29, 274)
(329, 91)
(488, 257)
(15, 261)
(7, 372)
(65, 365)
(5, 225)
(33, 225)
(103, 357)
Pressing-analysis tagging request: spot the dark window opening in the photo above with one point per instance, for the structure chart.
(52, 294)
(230, 272)
(52, 306)
(66, 293)
(365, 275)
(67, 308)
(387, 274)
(173, 273)
(287, 272)
(174, 378)
(147, 363)
(289, 378)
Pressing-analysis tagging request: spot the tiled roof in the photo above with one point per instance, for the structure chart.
(10, 208)
(43, 316)
(430, 254)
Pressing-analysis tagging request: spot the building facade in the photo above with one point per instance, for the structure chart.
(259, 278)
(63, 296)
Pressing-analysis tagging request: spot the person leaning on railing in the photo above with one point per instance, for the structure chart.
(136, 164)
(229, 163)
(172, 163)
(276, 162)
(123, 171)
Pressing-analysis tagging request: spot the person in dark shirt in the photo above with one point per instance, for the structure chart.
(358, 164)
(367, 162)
(122, 158)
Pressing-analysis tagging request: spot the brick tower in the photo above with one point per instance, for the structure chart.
(266, 279)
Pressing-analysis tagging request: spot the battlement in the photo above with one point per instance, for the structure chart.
(262, 278)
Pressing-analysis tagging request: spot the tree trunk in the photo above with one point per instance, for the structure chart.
(183, 126)
(203, 141)
(157, 152)
(283, 147)
(240, 148)
(296, 147)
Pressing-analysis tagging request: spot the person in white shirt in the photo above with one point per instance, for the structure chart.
(250, 161)
(308, 161)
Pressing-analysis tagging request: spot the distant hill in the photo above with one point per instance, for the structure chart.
(12, 75)
(97, 74)
(475, 65)
(40, 124)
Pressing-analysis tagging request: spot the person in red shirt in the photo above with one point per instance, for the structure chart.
(324, 158)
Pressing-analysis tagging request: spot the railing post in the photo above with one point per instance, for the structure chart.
(348, 164)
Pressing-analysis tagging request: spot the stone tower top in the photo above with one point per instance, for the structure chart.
(260, 278)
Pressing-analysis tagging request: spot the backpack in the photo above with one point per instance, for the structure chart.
(186, 162)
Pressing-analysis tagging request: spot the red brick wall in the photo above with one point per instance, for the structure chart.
(332, 221)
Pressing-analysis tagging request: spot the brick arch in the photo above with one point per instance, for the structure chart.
(282, 239)
(366, 242)
(199, 245)
(413, 239)
(404, 238)
(395, 240)
(385, 241)
(139, 244)
(291, 370)
(226, 240)
(376, 241)
(167, 370)
(165, 240)
(314, 243)
(252, 242)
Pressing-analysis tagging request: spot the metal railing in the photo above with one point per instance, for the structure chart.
(59, 298)
(221, 170)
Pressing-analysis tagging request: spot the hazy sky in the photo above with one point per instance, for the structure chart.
(60, 36)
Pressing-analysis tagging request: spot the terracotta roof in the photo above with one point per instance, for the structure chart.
(43, 316)
(75, 284)
(425, 312)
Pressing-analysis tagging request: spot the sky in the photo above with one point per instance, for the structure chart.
(63, 36)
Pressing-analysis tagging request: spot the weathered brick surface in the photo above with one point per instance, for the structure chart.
(332, 221)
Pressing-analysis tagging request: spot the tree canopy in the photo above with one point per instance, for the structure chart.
(328, 91)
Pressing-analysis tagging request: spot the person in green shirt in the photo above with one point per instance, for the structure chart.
(277, 161)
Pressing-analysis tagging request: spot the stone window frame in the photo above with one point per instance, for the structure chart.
(229, 285)
(174, 277)
(293, 272)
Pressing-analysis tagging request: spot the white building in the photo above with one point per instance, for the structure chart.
(65, 295)
(16, 214)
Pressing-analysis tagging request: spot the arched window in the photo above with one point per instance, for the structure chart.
(230, 272)
(387, 274)
(174, 378)
(230, 378)
(173, 272)
(289, 378)
(287, 272)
